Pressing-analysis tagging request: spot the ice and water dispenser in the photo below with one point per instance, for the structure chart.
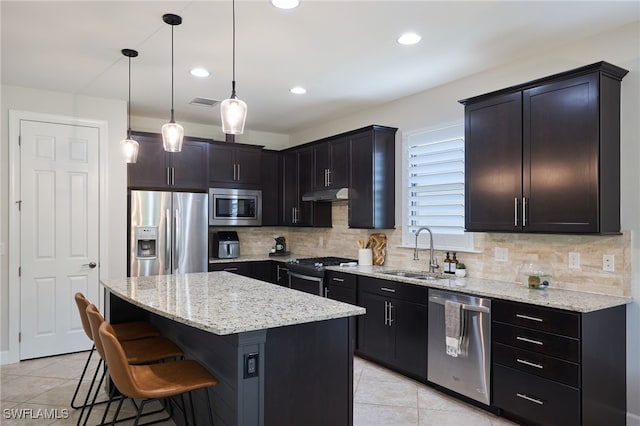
(146, 238)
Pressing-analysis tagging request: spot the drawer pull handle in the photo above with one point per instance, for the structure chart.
(390, 290)
(529, 363)
(230, 269)
(524, 339)
(340, 280)
(527, 317)
(528, 398)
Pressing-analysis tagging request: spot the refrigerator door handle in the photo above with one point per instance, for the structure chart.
(176, 240)
(168, 241)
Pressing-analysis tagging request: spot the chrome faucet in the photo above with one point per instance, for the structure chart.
(433, 262)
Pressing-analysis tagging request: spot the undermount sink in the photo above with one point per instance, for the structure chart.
(418, 275)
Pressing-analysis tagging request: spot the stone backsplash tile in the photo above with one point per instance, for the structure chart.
(548, 250)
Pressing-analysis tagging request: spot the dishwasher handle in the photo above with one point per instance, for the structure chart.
(463, 306)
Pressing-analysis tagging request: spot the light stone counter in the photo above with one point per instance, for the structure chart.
(224, 303)
(550, 297)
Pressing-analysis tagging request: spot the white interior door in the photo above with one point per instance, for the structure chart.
(59, 194)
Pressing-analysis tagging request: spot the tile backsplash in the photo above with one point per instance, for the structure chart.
(552, 251)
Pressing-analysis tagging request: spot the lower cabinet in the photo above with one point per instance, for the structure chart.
(555, 367)
(340, 286)
(260, 270)
(279, 273)
(394, 330)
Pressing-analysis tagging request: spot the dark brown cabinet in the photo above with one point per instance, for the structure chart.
(554, 367)
(331, 164)
(297, 179)
(545, 156)
(259, 270)
(394, 330)
(340, 286)
(271, 187)
(372, 178)
(160, 170)
(280, 273)
(234, 165)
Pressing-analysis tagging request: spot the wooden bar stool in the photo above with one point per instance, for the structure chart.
(125, 331)
(153, 381)
(140, 351)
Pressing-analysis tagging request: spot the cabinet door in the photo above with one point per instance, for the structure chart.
(374, 333)
(240, 268)
(493, 164)
(150, 170)
(221, 164)
(270, 187)
(339, 170)
(190, 166)
(561, 156)
(248, 166)
(280, 274)
(410, 326)
(305, 184)
(290, 187)
(321, 164)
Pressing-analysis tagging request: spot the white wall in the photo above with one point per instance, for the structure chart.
(438, 106)
(114, 188)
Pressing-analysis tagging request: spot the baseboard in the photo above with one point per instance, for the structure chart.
(633, 419)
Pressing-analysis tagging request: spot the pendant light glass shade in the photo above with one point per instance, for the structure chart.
(172, 136)
(172, 132)
(128, 146)
(233, 111)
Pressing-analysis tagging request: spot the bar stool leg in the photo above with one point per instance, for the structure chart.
(84, 371)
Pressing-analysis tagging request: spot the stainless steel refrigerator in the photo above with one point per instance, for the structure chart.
(168, 233)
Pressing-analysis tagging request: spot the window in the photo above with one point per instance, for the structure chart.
(434, 188)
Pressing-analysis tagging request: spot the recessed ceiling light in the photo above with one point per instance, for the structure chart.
(298, 90)
(409, 39)
(199, 72)
(285, 4)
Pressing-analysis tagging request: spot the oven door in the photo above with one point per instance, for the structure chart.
(306, 283)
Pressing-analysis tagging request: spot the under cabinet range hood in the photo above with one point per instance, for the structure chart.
(335, 194)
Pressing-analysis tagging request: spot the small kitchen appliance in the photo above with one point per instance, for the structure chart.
(226, 245)
(280, 247)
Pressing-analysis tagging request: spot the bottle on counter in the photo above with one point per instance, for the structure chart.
(454, 263)
(447, 264)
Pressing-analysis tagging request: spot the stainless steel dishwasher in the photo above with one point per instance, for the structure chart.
(468, 371)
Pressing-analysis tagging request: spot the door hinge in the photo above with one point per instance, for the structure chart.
(19, 337)
(19, 271)
(19, 203)
(19, 140)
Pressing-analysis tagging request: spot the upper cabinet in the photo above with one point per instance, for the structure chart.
(234, 165)
(372, 177)
(545, 156)
(159, 170)
(331, 164)
(271, 187)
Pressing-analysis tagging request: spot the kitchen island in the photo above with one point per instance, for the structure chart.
(281, 356)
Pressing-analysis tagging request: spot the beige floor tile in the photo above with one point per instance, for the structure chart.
(25, 388)
(397, 394)
(383, 415)
(454, 418)
(24, 368)
(431, 399)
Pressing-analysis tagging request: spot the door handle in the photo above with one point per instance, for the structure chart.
(515, 211)
(238, 172)
(390, 313)
(90, 264)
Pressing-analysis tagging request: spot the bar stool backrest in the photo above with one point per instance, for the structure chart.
(116, 360)
(95, 320)
(82, 304)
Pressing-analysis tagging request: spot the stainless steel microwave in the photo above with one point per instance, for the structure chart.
(235, 207)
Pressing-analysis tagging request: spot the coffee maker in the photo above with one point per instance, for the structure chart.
(280, 247)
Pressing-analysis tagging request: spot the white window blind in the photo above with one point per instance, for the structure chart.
(435, 186)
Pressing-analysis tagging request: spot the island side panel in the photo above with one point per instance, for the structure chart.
(309, 374)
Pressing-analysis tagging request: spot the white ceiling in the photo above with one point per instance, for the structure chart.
(343, 52)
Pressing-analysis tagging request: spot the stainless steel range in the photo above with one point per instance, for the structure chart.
(307, 274)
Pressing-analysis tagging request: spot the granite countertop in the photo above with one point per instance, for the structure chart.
(575, 301)
(570, 300)
(225, 303)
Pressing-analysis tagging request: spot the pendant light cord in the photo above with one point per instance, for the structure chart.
(172, 116)
(233, 59)
(129, 104)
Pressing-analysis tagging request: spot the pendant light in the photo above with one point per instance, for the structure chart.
(233, 111)
(128, 145)
(172, 132)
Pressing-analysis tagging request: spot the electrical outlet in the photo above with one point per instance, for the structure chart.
(574, 260)
(608, 263)
(501, 254)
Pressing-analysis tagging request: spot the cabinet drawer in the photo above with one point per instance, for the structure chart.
(536, 341)
(341, 279)
(393, 289)
(536, 317)
(537, 364)
(535, 399)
